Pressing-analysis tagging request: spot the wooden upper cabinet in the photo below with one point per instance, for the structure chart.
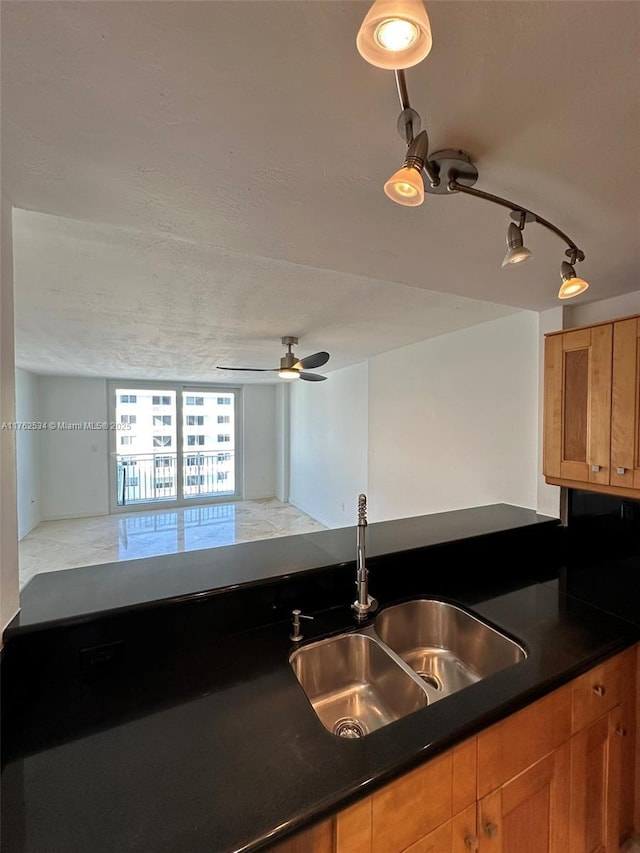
(578, 405)
(592, 407)
(625, 404)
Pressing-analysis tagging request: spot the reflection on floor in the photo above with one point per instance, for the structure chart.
(55, 545)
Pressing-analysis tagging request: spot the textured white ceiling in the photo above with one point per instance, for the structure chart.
(212, 173)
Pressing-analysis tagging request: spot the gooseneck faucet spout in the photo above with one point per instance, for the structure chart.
(364, 603)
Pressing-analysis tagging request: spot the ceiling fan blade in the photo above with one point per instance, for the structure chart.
(260, 369)
(312, 377)
(316, 359)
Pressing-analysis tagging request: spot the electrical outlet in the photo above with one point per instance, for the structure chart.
(97, 658)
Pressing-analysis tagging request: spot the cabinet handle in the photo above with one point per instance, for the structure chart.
(595, 468)
(620, 470)
(471, 842)
(490, 830)
(599, 690)
(621, 731)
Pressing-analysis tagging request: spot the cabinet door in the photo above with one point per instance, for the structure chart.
(455, 836)
(625, 404)
(530, 813)
(596, 787)
(577, 405)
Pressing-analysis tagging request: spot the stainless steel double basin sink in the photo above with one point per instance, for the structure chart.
(413, 654)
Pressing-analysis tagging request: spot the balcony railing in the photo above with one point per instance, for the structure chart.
(152, 477)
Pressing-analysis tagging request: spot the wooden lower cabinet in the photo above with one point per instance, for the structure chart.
(596, 786)
(318, 839)
(555, 777)
(530, 813)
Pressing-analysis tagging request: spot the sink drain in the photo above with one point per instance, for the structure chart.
(431, 680)
(349, 727)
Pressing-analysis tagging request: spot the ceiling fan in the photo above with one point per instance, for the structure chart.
(292, 367)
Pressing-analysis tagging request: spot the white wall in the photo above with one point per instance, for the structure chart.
(605, 309)
(259, 441)
(329, 445)
(74, 476)
(283, 462)
(8, 514)
(453, 421)
(27, 453)
(548, 500)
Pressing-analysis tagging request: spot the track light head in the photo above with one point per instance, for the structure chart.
(406, 186)
(516, 250)
(395, 34)
(571, 284)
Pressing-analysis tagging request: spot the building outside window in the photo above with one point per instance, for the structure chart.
(169, 471)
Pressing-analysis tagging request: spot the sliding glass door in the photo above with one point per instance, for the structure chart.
(173, 444)
(208, 443)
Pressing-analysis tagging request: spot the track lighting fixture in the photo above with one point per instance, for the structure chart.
(571, 284)
(516, 250)
(396, 34)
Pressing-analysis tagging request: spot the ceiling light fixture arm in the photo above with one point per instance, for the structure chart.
(403, 92)
(521, 215)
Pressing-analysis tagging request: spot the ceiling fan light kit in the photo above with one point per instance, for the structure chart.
(395, 35)
(291, 367)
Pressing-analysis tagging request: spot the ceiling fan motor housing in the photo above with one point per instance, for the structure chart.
(288, 361)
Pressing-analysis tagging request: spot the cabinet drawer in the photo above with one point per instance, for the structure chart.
(595, 693)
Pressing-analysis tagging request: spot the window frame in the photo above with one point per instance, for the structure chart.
(181, 450)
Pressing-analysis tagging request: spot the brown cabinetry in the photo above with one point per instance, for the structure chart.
(592, 407)
(555, 777)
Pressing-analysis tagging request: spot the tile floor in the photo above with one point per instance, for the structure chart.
(68, 544)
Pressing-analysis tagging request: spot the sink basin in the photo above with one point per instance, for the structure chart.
(445, 645)
(413, 654)
(354, 685)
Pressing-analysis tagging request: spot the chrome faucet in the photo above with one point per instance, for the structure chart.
(364, 603)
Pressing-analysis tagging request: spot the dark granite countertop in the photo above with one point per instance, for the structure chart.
(55, 597)
(243, 761)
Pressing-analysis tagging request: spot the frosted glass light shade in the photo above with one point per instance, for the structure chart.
(406, 187)
(288, 373)
(571, 284)
(572, 287)
(516, 250)
(395, 34)
(516, 256)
